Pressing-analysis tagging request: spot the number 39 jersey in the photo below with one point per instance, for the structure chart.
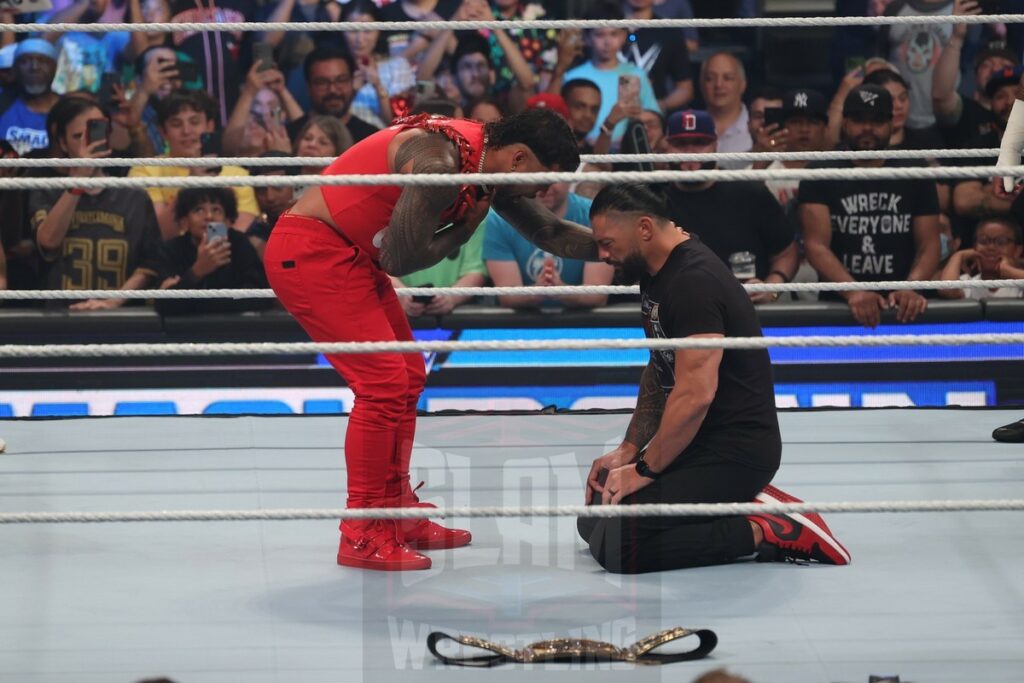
(112, 235)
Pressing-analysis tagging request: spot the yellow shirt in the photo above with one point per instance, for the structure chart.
(244, 195)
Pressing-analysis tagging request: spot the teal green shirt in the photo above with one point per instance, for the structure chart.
(468, 259)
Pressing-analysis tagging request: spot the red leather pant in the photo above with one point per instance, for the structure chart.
(337, 293)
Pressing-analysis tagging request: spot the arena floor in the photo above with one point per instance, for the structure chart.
(932, 597)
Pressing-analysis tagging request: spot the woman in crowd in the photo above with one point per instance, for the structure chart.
(321, 136)
(378, 77)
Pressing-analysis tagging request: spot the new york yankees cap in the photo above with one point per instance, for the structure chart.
(868, 102)
(805, 102)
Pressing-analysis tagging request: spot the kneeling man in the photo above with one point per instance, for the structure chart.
(705, 428)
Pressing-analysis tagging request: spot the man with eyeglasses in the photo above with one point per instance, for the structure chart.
(329, 81)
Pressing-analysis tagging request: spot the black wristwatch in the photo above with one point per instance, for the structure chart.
(643, 470)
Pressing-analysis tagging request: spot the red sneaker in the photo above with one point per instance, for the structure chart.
(772, 494)
(788, 539)
(374, 544)
(423, 534)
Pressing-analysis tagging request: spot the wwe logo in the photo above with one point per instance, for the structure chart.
(800, 101)
(868, 97)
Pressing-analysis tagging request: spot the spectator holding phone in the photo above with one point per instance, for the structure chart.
(187, 119)
(92, 239)
(378, 77)
(157, 76)
(625, 88)
(264, 107)
(768, 136)
(209, 254)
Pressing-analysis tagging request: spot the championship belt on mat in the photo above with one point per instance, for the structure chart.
(578, 651)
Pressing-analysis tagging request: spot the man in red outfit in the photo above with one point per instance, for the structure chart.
(328, 261)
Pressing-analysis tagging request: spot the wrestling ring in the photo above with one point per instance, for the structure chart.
(200, 547)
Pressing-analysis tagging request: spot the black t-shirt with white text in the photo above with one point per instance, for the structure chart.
(733, 217)
(873, 220)
(695, 293)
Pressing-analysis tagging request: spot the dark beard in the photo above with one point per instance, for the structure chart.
(632, 269)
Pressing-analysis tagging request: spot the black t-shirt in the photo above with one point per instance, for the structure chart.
(358, 128)
(662, 53)
(695, 293)
(733, 217)
(218, 53)
(245, 271)
(112, 235)
(873, 220)
(975, 120)
(399, 41)
(963, 226)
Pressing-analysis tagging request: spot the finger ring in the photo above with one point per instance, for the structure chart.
(771, 142)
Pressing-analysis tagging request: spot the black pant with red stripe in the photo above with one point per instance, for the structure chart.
(635, 545)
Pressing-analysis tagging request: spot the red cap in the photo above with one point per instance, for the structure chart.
(549, 101)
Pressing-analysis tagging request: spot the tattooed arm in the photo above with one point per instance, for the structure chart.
(410, 242)
(549, 232)
(650, 404)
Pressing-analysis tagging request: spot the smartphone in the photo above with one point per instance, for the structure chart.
(215, 231)
(990, 6)
(263, 54)
(774, 116)
(423, 298)
(852, 63)
(210, 143)
(105, 93)
(426, 90)
(98, 129)
(188, 72)
(629, 90)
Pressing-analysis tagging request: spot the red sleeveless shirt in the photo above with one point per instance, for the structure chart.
(363, 212)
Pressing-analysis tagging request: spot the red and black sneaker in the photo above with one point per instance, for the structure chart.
(773, 494)
(787, 538)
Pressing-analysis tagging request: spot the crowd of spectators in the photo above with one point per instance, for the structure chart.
(187, 95)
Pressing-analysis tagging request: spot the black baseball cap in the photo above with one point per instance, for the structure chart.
(868, 102)
(996, 49)
(805, 102)
(1010, 75)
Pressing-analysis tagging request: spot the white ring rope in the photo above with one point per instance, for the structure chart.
(446, 179)
(737, 22)
(565, 290)
(277, 162)
(600, 511)
(293, 348)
